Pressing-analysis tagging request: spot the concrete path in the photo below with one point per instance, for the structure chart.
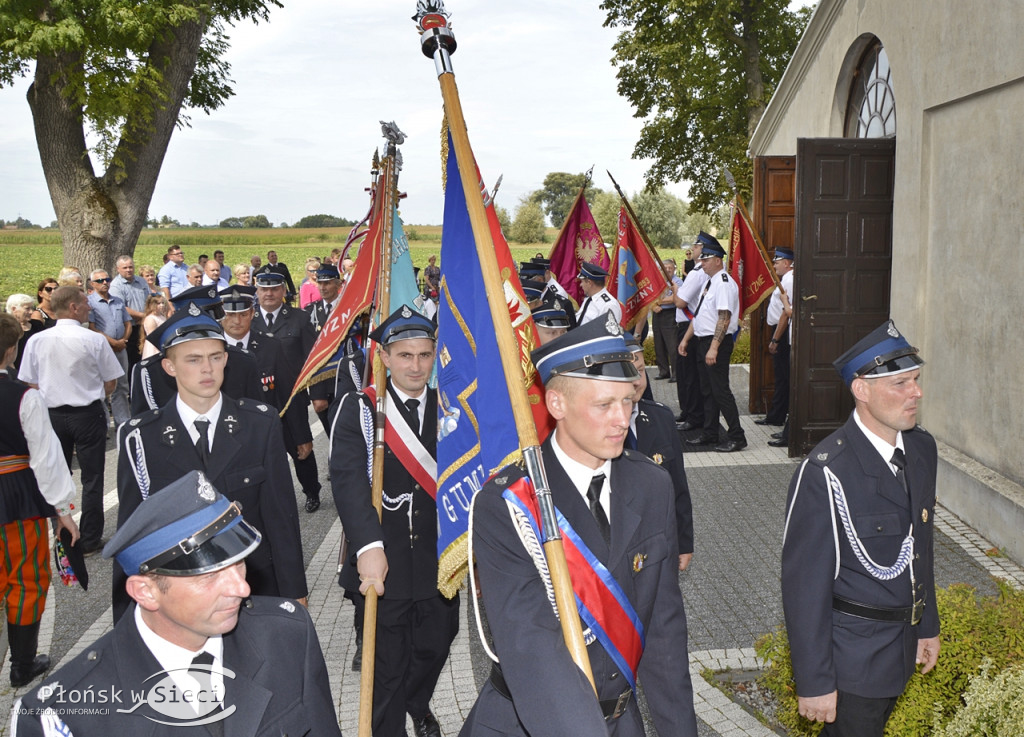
(731, 590)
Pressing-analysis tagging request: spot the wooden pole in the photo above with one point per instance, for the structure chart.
(437, 43)
(380, 379)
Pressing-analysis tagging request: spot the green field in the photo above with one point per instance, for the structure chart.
(27, 256)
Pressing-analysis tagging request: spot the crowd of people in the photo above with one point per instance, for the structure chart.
(197, 363)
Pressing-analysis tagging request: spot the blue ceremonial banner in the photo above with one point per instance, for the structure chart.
(476, 428)
(404, 289)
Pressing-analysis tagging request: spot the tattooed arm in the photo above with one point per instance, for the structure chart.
(721, 328)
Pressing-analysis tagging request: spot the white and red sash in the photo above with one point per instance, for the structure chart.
(406, 445)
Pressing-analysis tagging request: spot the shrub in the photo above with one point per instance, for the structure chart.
(975, 630)
(741, 351)
(994, 706)
(649, 356)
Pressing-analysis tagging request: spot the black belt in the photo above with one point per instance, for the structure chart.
(611, 708)
(66, 408)
(908, 614)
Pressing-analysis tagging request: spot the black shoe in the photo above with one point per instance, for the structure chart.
(23, 674)
(426, 726)
(778, 443)
(777, 435)
(91, 548)
(680, 417)
(702, 439)
(312, 504)
(688, 426)
(672, 380)
(731, 446)
(766, 421)
(357, 659)
(662, 376)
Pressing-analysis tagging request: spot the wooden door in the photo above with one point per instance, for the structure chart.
(774, 214)
(842, 274)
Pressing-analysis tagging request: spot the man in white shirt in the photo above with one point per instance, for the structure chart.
(222, 661)
(74, 369)
(686, 297)
(598, 299)
(780, 311)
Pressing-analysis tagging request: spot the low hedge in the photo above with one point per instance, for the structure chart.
(976, 630)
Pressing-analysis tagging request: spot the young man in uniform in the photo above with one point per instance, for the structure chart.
(598, 299)
(618, 505)
(397, 553)
(858, 586)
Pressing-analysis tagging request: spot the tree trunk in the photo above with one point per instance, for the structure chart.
(100, 217)
(755, 80)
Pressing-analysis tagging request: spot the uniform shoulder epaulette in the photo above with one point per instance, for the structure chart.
(636, 456)
(725, 275)
(273, 606)
(828, 450)
(606, 297)
(143, 418)
(506, 476)
(252, 405)
(53, 690)
(918, 428)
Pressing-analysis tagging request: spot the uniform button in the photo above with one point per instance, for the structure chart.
(879, 528)
(416, 513)
(417, 487)
(415, 537)
(613, 676)
(917, 556)
(245, 480)
(92, 655)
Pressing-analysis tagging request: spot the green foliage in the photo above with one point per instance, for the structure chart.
(994, 706)
(504, 220)
(559, 192)
(741, 351)
(700, 74)
(650, 358)
(249, 221)
(322, 221)
(605, 209)
(110, 55)
(975, 630)
(661, 214)
(528, 224)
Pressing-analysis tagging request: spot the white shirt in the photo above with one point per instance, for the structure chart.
(177, 660)
(581, 476)
(244, 340)
(45, 457)
(775, 303)
(188, 417)
(221, 282)
(599, 304)
(884, 449)
(276, 313)
(69, 364)
(722, 294)
(690, 292)
(557, 288)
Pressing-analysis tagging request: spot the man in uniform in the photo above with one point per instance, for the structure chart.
(152, 387)
(236, 442)
(328, 280)
(598, 299)
(619, 506)
(691, 404)
(858, 586)
(652, 431)
(224, 663)
(290, 327)
(550, 323)
(397, 554)
(36, 485)
(777, 319)
(663, 322)
(715, 322)
(554, 293)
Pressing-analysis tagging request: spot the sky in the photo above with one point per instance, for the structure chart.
(536, 83)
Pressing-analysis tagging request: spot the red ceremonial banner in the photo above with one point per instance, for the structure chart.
(638, 279)
(749, 266)
(578, 242)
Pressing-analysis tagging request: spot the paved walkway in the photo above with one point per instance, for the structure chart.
(731, 590)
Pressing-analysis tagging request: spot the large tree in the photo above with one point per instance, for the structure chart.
(559, 192)
(126, 72)
(700, 73)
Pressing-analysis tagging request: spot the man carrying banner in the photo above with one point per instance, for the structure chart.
(397, 553)
(598, 301)
(629, 561)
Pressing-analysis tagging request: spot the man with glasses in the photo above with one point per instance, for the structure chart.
(108, 316)
(173, 276)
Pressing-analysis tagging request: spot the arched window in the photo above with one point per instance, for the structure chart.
(871, 112)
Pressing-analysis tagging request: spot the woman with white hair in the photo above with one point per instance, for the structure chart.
(20, 306)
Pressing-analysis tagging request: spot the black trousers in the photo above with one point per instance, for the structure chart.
(83, 431)
(305, 470)
(859, 716)
(780, 399)
(714, 387)
(412, 644)
(691, 404)
(666, 341)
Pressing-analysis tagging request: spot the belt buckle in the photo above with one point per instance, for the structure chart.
(620, 705)
(916, 611)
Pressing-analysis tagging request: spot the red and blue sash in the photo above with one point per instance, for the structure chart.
(603, 605)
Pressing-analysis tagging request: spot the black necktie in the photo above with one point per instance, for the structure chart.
(270, 320)
(414, 415)
(594, 495)
(239, 344)
(203, 444)
(204, 660)
(583, 310)
(899, 459)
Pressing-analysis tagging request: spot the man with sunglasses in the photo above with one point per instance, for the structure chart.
(108, 316)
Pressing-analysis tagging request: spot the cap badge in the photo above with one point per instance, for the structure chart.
(212, 293)
(193, 309)
(658, 458)
(893, 332)
(612, 325)
(638, 562)
(406, 312)
(205, 489)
